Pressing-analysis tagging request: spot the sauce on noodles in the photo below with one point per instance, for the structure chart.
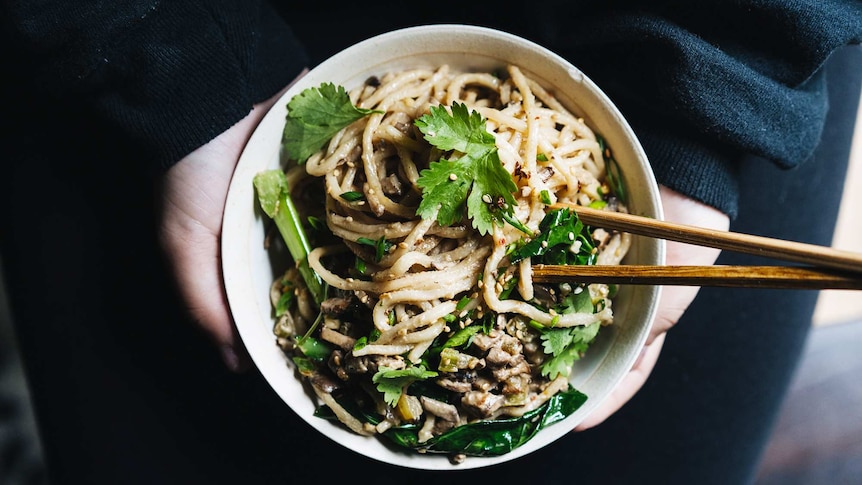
(435, 326)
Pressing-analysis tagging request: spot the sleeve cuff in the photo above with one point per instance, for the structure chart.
(691, 168)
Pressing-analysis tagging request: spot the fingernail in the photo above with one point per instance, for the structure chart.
(230, 357)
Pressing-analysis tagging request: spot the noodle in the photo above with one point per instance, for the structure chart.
(416, 282)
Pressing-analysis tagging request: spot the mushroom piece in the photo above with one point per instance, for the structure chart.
(442, 410)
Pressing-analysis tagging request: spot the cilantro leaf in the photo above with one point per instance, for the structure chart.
(314, 116)
(581, 302)
(565, 346)
(391, 382)
(463, 130)
(443, 194)
(476, 179)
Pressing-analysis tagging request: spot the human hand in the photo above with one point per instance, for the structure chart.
(674, 299)
(193, 198)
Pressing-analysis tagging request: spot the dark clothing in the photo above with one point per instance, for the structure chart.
(128, 391)
(702, 82)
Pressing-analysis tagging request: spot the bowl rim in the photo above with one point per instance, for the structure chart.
(235, 275)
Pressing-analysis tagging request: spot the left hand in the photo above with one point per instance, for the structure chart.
(193, 197)
(674, 299)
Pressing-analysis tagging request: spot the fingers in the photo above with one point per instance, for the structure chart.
(628, 387)
(193, 198)
(674, 299)
(193, 252)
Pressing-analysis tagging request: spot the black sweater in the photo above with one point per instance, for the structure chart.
(701, 82)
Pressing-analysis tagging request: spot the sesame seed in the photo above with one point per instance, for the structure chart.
(453, 177)
(486, 198)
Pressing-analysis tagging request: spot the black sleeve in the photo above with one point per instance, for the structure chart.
(171, 75)
(705, 82)
(702, 83)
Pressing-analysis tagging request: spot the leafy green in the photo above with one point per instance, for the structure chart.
(477, 179)
(314, 116)
(566, 345)
(580, 302)
(273, 196)
(559, 230)
(283, 303)
(381, 246)
(304, 365)
(462, 337)
(491, 437)
(361, 342)
(314, 349)
(391, 382)
(352, 196)
(614, 177)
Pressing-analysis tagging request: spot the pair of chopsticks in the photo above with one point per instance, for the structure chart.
(825, 268)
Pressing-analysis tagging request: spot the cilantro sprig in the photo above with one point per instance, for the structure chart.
(565, 345)
(391, 382)
(314, 116)
(476, 178)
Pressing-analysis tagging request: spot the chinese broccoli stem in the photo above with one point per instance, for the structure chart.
(273, 194)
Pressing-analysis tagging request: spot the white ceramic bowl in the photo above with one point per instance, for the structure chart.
(249, 270)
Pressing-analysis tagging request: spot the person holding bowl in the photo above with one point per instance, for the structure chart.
(116, 292)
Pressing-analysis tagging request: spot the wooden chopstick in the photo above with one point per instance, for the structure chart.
(811, 254)
(827, 268)
(786, 277)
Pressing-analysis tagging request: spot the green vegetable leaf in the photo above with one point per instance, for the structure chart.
(314, 116)
(381, 246)
(463, 130)
(576, 302)
(462, 337)
(314, 349)
(391, 382)
(566, 345)
(614, 177)
(273, 194)
(283, 303)
(352, 196)
(559, 230)
(491, 437)
(360, 343)
(477, 178)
